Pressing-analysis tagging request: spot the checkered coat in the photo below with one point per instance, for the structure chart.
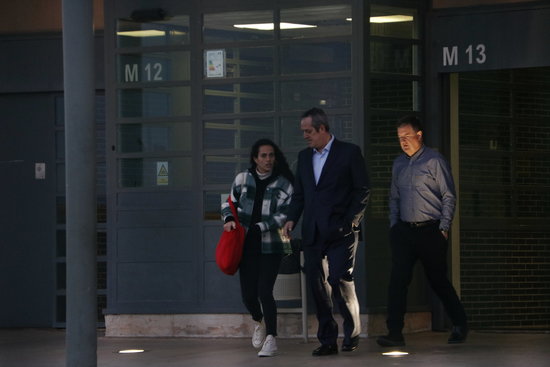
(274, 210)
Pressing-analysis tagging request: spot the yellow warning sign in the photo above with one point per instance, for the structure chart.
(162, 173)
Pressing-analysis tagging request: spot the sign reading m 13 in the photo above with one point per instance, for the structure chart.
(454, 56)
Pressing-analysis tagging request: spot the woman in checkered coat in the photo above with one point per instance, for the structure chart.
(261, 195)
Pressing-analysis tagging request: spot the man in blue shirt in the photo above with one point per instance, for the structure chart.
(331, 191)
(422, 204)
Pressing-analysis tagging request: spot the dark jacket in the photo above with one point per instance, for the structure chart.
(339, 199)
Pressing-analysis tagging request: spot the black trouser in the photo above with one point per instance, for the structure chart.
(258, 273)
(340, 257)
(428, 245)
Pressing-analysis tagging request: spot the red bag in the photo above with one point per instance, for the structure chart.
(230, 246)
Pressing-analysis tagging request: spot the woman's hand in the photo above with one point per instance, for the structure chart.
(229, 226)
(287, 228)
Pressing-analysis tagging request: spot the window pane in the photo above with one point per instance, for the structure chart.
(238, 26)
(61, 308)
(61, 276)
(238, 97)
(154, 67)
(60, 209)
(173, 31)
(396, 58)
(253, 61)
(60, 178)
(238, 62)
(155, 172)
(61, 243)
(101, 275)
(319, 21)
(60, 145)
(154, 137)
(154, 102)
(316, 57)
(223, 169)
(400, 95)
(237, 134)
(326, 93)
(388, 21)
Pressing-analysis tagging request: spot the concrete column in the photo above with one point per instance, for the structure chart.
(80, 171)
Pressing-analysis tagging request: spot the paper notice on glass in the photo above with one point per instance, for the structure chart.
(214, 63)
(40, 171)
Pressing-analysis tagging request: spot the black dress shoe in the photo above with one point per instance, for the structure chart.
(391, 340)
(352, 345)
(325, 350)
(458, 335)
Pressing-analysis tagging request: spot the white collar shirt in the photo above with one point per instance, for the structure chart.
(319, 159)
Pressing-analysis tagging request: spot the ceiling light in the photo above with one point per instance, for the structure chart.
(391, 19)
(147, 33)
(150, 33)
(270, 26)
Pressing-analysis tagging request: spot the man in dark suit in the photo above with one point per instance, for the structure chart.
(331, 190)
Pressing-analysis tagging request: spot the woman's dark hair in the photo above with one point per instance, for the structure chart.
(281, 165)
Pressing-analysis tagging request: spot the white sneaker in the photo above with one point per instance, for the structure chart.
(270, 347)
(258, 336)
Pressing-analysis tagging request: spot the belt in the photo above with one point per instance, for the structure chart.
(420, 224)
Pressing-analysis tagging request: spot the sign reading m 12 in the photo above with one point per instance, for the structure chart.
(149, 72)
(453, 56)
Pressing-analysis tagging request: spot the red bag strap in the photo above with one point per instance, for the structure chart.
(233, 210)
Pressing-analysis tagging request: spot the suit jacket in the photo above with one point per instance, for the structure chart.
(337, 203)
